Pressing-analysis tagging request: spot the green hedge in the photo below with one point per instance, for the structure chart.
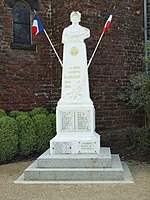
(52, 120)
(27, 135)
(43, 129)
(8, 139)
(37, 111)
(2, 113)
(16, 113)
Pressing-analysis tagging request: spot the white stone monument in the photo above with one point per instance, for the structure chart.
(75, 114)
(75, 155)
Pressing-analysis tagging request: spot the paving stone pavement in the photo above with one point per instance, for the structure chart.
(139, 190)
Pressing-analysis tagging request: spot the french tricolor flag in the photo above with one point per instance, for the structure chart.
(37, 26)
(108, 22)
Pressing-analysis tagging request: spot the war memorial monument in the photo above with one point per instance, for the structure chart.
(75, 154)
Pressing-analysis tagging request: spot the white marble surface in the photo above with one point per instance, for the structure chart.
(75, 113)
(75, 84)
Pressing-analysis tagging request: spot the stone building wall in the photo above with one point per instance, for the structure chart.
(32, 78)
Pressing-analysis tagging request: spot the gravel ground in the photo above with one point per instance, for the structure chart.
(139, 190)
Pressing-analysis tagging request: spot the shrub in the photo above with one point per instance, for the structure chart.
(44, 129)
(8, 139)
(2, 113)
(52, 121)
(16, 113)
(37, 111)
(138, 92)
(129, 142)
(27, 136)
(138, 139)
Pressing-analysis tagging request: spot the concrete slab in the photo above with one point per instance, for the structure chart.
(113, 173)
(103, 159)
(127, 179)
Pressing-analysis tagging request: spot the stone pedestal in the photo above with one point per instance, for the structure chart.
(75, 130)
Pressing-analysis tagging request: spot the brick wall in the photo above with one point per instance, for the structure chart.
(30, 79)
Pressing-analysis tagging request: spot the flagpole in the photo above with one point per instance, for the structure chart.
(95, 49)
(53, 47)
(107, 25)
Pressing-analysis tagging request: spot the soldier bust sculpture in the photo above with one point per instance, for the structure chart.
(75, 32)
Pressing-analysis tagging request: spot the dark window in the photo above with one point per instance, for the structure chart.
(21, 24)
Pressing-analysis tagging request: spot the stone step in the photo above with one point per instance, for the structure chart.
(32, 173)
(102, 160)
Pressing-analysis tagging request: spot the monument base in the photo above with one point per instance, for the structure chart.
(75, 144)
(75, 129)
(78, 168)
